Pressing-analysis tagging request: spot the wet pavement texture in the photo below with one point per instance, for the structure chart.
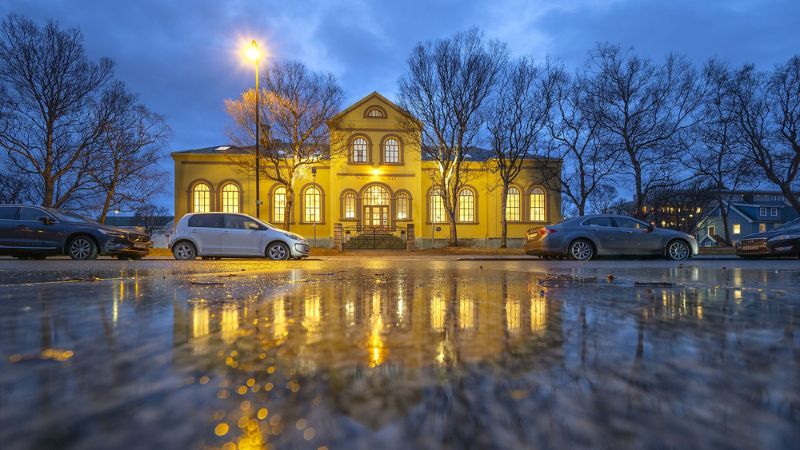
(401, 354)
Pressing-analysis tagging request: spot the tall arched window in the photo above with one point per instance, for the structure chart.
(349, 205)
(537, 205)
(466, 205)
(513, 200)
(391, 151)
(230, 198)
(313, 205)
(201, 198)
(279, 205)
(403, 206)
(360, 148)
(436, 211)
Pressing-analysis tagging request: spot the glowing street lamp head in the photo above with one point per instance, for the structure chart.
(252, 52)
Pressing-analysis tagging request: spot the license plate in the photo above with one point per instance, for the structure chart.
(750, 247)
(140, 246)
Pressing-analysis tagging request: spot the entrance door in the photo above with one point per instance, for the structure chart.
(376, 216)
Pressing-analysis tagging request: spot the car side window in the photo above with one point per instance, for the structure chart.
(626, 222)
(8, 212)
(598, 222)
(235, 222)
(30, 214)
(206, 221)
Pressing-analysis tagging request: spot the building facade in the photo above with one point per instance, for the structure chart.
(749, 212)
(379, 180)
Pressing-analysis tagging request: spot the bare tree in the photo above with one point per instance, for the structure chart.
(125, 168)
(767, 112)
(295, 106)
(719, 158)
(646, 109)
(49, 115)
(446, 87)
(517, 116)
(576, 137)
(605, 199)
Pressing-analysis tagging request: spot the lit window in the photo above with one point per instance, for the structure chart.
(230, 198)
(762, 227)
(403, 206)
(312, 205)
(391, 151)
(466, 206)
(201, 198)
(375, 113)
(360, 150)
(436, 202)
(513, 205)
(279, 205)
(537, 205)
(349, 205)
(737, 229)
(376, 195)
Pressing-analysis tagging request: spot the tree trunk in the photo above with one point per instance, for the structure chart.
(723, 212)
(451, 219)
(287, 216)
(786, 188)
(503, 220)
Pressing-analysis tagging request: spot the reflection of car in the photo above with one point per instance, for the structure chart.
(584, 237)
(234, 235)
(781, 241)
(37, 232)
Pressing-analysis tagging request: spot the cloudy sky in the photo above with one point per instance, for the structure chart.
(183, 57)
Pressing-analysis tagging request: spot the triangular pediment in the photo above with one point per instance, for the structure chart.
(357, 109)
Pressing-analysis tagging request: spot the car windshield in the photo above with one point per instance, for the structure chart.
(69, 217)
(790, 224)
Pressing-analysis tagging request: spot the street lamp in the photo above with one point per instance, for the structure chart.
(254, 54)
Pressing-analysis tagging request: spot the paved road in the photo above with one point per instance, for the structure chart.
(400, 352)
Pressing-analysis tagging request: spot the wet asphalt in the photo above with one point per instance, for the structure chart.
(399, 352)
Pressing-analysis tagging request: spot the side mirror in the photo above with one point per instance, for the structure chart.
(253, 226)
(46, 220)
(650, 228)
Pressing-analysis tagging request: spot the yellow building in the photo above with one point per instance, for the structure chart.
(381, 181)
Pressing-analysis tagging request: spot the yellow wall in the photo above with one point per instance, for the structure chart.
(340, 174)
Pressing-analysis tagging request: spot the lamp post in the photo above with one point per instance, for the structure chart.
(254, 55)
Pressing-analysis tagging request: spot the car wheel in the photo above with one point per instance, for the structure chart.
(82, 248)
(580, 250)
(678, 250)
(184, 251)
(278, 251)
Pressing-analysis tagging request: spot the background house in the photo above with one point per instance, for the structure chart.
(749, 212)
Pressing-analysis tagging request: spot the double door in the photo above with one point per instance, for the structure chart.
(376, 216)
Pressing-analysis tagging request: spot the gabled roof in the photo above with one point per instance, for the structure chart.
(374, 95)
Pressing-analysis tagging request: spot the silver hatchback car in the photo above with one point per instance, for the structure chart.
(584, 237)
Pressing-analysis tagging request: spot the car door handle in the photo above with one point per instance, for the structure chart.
(23, 228)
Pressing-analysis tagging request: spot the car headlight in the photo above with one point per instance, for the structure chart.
(785, 237)
(293, 236)
(116, 234)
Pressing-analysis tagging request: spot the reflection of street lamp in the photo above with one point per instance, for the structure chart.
(254, 54)
(314, 181)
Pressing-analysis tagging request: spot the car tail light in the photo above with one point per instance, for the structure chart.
(545, 231)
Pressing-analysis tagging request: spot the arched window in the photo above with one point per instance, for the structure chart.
(360, 148)
(349, 205)
(313, 205)
(466, 205)
(513, 205)
(279, 205)
(230, 198)
(376, 195)
(201, 198)
(375, 113)
(403, 206)
(436, 211)
(391, 151)
(537, 205)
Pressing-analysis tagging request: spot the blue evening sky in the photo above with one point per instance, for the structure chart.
(183, 57)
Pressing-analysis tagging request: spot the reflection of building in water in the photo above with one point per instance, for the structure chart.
(406, 320)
